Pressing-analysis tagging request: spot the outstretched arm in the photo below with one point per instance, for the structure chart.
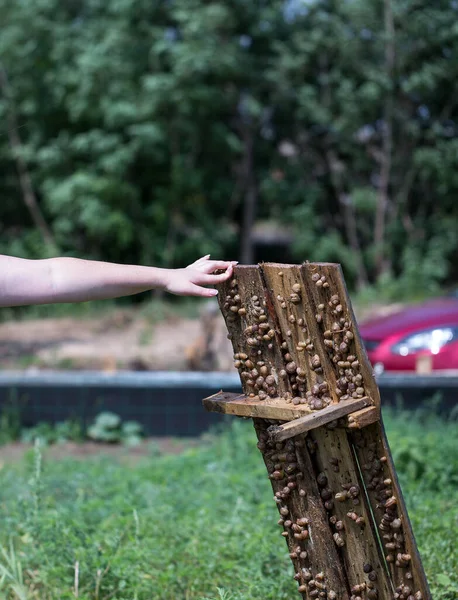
(57, 280)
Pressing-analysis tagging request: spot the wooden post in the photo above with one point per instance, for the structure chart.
(309, 387)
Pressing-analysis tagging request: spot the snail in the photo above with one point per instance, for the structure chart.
(322, 480)
(338, 539)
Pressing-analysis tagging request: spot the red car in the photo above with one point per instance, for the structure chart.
(428, 331)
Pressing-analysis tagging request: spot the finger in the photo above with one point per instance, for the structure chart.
(203, 292)
(216, 265)
(201, 260)
(210, 279)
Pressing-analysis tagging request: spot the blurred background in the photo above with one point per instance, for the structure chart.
(156, 132)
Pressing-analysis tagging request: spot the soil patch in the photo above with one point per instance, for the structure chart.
(126, 339)
(15, 451)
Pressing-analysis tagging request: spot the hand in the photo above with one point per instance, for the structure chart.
(190, 281)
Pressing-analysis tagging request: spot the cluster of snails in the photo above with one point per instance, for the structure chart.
(286, 478)
(366, 588)
(318, 397)
(351, 493)
(294, 374)
(260, 381)
(404, 592)
(257, 377)
(338, 340)
(391, 526)
(320, 280)
(325, 491)
(233, 302)
(314, 586)
(261, 331)
(294, 298)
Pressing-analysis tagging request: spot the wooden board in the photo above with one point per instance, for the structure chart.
(314, 420)
(277, 408)
(300, 358)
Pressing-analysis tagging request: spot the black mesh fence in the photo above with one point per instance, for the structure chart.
(170, 404)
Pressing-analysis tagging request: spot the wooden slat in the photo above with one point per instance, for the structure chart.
(382, 486)
(338, 307)
(297, 322)
(243, 406)
(363, 418)
(361, 553)
(332, 412)
(246, 292)
(337, 318)
(318, 558)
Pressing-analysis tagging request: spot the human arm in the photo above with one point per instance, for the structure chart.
(57, 280)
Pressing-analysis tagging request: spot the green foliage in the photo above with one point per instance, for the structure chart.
(138, 121)
(108, 427)
(10, 420)
(47, 433)
(201, 524)
(11, 574)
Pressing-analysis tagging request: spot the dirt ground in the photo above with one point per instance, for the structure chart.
(15, 451)
(124, 339)
(120, 340)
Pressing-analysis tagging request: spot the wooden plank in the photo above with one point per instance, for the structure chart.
(390, 513)
(349, 514)
(254, 334)
(363, 418)
(243, 406)
(338, 331)
(297, 325)
(303, 518)
(332, 412)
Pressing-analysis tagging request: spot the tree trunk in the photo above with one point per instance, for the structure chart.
(351, 230)
(249, 203)
(382, 262)
(29, 197)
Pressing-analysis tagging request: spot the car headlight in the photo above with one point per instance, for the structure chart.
(431, 339)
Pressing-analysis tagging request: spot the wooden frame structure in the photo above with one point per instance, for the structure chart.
(309, 387)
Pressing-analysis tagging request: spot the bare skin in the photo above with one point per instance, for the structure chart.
(56, 280)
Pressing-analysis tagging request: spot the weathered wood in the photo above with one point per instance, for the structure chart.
(363, 418)
(349, 513)
(243, 406)
(301, 359)
(254, 333)
(337, 309)
(277, 408)
(278, 433)
(303, 517)
(297, 324)
(389, 511)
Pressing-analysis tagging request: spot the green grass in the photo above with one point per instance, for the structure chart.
(196, 526)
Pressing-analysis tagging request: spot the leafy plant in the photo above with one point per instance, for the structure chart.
(11, 574)
(48, 433)
(108, 427)
(10, 419)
